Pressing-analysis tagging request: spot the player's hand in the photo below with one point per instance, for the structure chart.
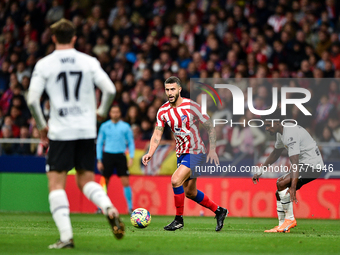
(146, 158)
(292, 192)
(100, 166)
(130, 162)
(100, 118)
(255, 178)
(43, 136)
(213, 158)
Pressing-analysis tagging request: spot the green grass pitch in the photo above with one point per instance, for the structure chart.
(31, 233)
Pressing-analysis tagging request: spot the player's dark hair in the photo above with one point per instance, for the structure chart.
(173, 79)
(63, 30)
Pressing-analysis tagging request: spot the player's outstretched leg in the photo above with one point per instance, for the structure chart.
(220, 212)
(178, 222)
(280, 214)
(199, 197)
(60, 210)
(117, 226)
(95, 193)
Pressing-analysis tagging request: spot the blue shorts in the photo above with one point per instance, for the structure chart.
(191, 161)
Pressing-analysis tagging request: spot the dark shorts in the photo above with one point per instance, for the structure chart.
(191, 161)
(306, 175)
(65, 155)
(115, 161)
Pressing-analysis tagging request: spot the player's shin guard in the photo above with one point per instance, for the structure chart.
(95, 193)
(179, 200)
(287, 205)
(280, 212)
(60, 210)
(205, 201)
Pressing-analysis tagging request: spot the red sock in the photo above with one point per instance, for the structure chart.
(179, 203)
(208, 203)
(179, 200)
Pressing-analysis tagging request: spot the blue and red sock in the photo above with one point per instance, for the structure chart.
(205, 201)
(179, 200)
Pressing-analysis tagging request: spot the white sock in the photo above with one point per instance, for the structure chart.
(60, 210)
(95, 193)
(286, 204)
(280, 212)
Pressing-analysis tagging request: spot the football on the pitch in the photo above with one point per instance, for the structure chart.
(140, 218)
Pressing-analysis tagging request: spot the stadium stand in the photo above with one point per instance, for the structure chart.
(139, 43)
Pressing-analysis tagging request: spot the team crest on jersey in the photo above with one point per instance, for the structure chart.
(290, 139)
(184, 118)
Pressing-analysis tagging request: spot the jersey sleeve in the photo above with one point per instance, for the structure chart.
(293, 142)
(195, 109)
(160, 122)
(278, 143)
(36, 88)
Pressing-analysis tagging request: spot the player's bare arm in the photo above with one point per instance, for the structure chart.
(212, 156)
(294, 177)
(154, 142)
(274, 155)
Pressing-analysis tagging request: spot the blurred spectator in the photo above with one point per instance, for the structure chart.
(4, 76)
(137, 132)
(245, 139)
(278, 19)
(6, 148)
(147, 129)
(22, 71)
(133, 116)
(23, 148)
(55, 13)
(100, 47)
(2, 118)
(14, 89)
(335, 55)
(328, 151)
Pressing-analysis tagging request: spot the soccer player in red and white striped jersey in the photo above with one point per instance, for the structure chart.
(183, 116)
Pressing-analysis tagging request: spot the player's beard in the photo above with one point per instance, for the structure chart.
(175, 98)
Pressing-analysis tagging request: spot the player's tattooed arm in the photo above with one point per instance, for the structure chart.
(156, 140)
(212, 156)
(208, 125)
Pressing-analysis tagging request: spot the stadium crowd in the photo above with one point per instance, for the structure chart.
(140, 43)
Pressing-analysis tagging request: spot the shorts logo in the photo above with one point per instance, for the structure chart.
(290, 139)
